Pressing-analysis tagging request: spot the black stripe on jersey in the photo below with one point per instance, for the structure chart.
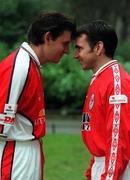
(30, 120)
(12, 160)
(34, 59)
(25, 80)
(28, 52)
(2, 129)
(6, 148)
(11, 77)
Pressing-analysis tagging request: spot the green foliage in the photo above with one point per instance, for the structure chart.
(123, 54)
(16, 15)
(3, 50)
(66, 157)
(126, 66)
(123, 51)
(65, 84)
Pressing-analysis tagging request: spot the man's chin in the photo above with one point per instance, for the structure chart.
(55, 61)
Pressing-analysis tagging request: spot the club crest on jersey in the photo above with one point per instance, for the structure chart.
(85, 123)
(91, 102)
(10, 108)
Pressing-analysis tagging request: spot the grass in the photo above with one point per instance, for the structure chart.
(66, 157)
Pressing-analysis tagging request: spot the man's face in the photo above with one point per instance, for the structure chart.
(55, 49)
(84, 53)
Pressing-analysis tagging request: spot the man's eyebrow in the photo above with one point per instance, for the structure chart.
(66, 42)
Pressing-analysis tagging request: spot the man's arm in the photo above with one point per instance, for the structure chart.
(13, 77)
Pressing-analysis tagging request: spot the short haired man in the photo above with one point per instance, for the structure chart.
(22, 111)
(105, 123)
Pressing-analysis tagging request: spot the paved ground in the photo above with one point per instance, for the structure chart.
(63, 124)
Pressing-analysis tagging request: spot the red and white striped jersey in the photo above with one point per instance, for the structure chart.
(22, 112)
(105, 124)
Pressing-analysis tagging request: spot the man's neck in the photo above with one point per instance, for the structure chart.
(101, 62)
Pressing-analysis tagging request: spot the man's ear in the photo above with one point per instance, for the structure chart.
(47, 37)
(99, 48)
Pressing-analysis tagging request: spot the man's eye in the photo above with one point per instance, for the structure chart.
(79, 49)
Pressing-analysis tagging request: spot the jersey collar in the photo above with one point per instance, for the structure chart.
(110, 63)
(31, 52)
(101, 69)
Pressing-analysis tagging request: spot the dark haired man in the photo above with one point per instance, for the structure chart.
(105, 123)
(22, 111)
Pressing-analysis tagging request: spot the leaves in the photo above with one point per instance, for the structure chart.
(65, 83)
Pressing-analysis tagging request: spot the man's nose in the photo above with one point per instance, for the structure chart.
(66, 50)
(76, 55)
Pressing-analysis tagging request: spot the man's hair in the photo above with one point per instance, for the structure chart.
(54, 22)
(99, 30)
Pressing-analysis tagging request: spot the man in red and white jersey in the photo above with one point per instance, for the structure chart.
(105, 124)
(22, 110)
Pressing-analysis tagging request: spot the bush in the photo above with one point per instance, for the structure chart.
(65, 84)
(123, 51)
(3, 50)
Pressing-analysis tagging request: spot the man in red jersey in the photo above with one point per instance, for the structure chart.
(105, 125)
(22, 111)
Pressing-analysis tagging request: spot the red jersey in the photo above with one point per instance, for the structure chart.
(105, 124)
(22, 112)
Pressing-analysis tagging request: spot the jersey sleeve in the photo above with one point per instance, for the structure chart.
(13, 79)
(118, 129)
